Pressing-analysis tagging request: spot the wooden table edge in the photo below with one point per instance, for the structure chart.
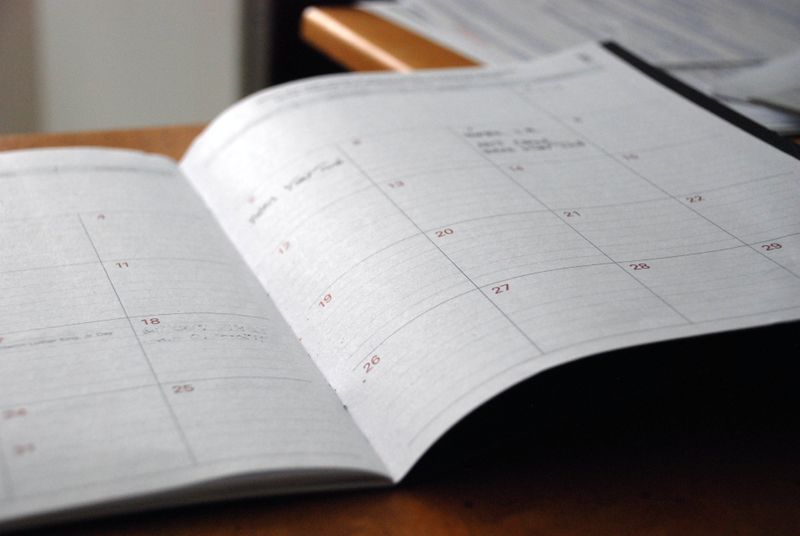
(362, 41)
(171, 141)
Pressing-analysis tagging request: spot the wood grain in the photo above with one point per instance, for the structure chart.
(362, 41)
(578, 493)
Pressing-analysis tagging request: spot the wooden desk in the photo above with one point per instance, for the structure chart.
(718, 482)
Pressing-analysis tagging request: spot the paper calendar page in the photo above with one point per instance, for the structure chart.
(436, 238)
(138, 353)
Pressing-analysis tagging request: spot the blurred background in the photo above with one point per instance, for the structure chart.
(72, 65)
(103, 64)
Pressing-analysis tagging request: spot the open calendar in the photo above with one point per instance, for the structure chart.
(341, 269)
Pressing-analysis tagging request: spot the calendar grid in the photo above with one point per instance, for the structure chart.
(632, 169)
(478, 288)
(439, 189)
(175, 421)
(89, 258)
(582, 235)
(384, 179)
